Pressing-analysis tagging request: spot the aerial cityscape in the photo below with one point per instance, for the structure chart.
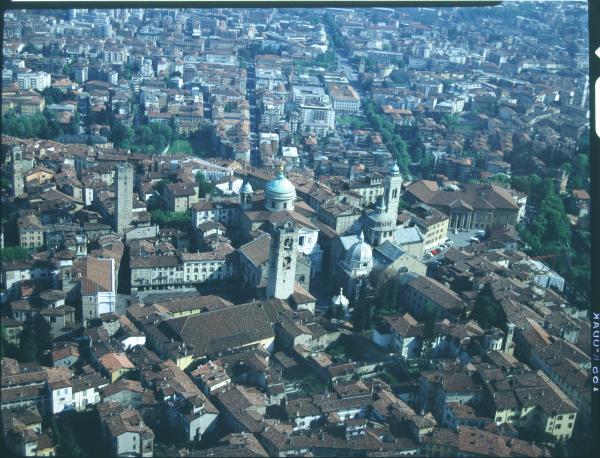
(296, 232)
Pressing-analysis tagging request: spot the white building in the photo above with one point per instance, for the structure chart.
(317, 117)
(35, 80)
(75, 394)
(345, 99)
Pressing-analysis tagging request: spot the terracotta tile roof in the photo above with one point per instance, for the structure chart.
(257, 250)
(219, 330)
(115, 361)
(96, 275)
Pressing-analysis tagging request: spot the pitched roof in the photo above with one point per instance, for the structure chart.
(96, 275)
(257, 250)
(219, 330)
(115, 361)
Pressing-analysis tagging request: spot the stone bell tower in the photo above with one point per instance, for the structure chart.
(124, 203)
(392, 187)
(282, 260)
(16, 172)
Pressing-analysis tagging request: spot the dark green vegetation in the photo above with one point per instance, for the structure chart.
(487, 311)
(40, 125)
(549, 233)
(393, 141)
(151, 138)
(35, 341)
(175, 220)
(54, 95)
(201, 141)
(78, 435)
(206, 187)
(349, 122)
(15, 253)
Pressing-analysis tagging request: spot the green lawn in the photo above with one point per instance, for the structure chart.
(180, 147)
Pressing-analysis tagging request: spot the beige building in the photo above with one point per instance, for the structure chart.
(432, 223)
(31, 231)
(179, 197)
(205, 335)
(529, 400)
(25, 104)
(125, 431)
(345, 99)
(421, 292)
(479, 206)
(181, 270)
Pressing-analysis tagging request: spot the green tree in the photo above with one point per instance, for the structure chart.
(31, 49)
(176, 220)
(69, 72)
(74, 123)
(487, 311)
(201, 141)
(43, 336)
(120, 135)
(580, 172)
(28, 348)
(430, 316)
(15, 253)
(53, 95)
(205, 186)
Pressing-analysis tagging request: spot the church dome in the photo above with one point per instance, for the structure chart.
(280, 188)
(360, 255)
(246, 188)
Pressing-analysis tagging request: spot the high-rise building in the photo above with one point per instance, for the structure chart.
(124, 204)
(282, 260)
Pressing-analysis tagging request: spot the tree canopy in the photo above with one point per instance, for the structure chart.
(487, 311)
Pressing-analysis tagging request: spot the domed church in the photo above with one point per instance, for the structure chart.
(356, 266)
(260, 215)
(377, 228)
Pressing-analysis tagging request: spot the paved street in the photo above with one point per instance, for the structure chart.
(459, 240)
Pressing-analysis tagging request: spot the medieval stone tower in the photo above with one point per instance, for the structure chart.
(282, 261)
(508, 339)
(16, 172)
(392, 185)
(124, 203)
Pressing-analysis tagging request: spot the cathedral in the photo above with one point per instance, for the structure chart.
(283, 247)
(367, 250)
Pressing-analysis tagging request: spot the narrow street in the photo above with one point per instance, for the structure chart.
(255, 158)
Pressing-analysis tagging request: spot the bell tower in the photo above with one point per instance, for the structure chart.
(16, 172)
(282, 260)
(392, 186)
